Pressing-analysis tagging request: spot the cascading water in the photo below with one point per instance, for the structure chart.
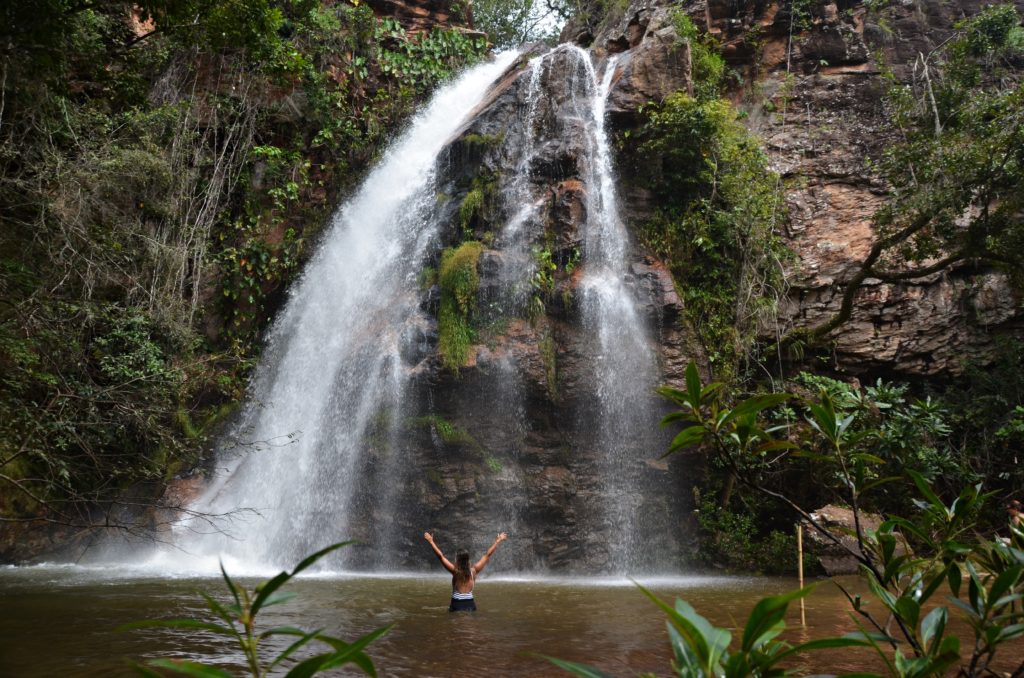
(332, 370)
(624, 363)
(369, 438)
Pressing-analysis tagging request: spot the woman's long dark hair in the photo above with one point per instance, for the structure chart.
(462, 573)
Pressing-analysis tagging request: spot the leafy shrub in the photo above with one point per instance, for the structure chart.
(719, 205)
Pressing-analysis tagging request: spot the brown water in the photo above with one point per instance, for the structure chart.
(61, 621)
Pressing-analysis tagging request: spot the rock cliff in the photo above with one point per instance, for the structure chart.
(508, 441)
(512, 439)
(812, 90)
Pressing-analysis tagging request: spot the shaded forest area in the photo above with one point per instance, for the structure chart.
(164, 166)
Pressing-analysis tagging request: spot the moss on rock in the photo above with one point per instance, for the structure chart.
(459, 282)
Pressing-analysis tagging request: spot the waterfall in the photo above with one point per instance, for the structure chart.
(354, 430)
(332, 373)
(625, 367)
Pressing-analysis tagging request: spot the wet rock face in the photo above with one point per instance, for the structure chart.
(511, 442)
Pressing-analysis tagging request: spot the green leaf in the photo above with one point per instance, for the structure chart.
(268, 587)
(343, 654)
(909, 610)
(293, 647)
(231, 585)
(693, 386)
(228, 615)
(688, 437)
(680, 398)
(954, 577)
(707, 642)
(577, 669)
(190, 668)
(766, 615)
(677, 416)
(824, 644)
(1010, 632)
(278, 598)
(1004, 581)
(925, 489)
(754, 405)
(144, 671)
(933, 626)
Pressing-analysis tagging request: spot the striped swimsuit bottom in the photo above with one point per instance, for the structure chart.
(462, 602)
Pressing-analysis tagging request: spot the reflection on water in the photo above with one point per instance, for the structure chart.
(60, 621)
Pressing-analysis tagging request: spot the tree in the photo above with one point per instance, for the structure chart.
(510, 23)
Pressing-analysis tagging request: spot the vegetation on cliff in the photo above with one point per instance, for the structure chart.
(955, 177)
(956, 171)
(458, 279)
(162, 167)
(719, 207)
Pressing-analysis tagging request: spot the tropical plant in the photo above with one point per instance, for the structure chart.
(236, 619)
(701, 650)
(907, 563)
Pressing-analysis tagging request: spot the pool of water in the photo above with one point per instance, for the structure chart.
(62, 620)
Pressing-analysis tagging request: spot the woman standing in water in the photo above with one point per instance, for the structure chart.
(463, 576)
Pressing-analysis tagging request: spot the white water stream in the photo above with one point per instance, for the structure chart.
(332, 378)
(332, 362)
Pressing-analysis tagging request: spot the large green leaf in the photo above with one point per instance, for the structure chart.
(925, 489)
(764, 618)
(226, 614)
(688, 437)
(756, 404)
(346, 655)
(190, 668)
(291, 649)
(708, 643)
(268, 587)
(932, 627)
(231, 585)
(693, 386)
(852, 640)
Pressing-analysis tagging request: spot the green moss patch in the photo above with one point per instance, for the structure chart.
(459, 282)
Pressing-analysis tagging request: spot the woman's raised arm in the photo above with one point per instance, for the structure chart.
(490, 552)
(437, 552)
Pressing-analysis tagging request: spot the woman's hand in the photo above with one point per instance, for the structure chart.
(501, 537)
(429, 537)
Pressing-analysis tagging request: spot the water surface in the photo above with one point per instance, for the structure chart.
(60, 621)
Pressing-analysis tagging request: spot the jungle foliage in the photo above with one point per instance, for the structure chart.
(922, 568)
(511, 23)
(718, 208)
(162, 166)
